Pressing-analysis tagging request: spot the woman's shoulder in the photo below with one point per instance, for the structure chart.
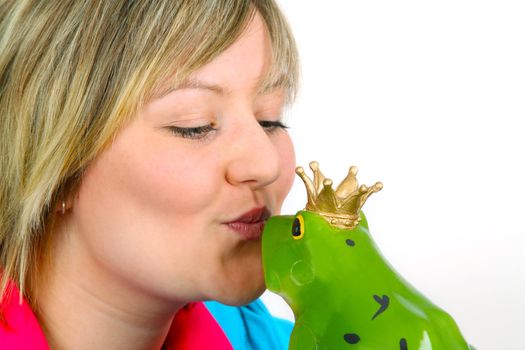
(251, 326)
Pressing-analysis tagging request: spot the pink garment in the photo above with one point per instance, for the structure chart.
(204, 333)
(19, 329)
(193, 327)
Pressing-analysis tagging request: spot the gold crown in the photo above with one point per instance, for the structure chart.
(340, 207)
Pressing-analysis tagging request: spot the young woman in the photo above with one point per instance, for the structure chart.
(142, 150)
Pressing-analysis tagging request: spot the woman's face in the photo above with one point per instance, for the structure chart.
(152, 209)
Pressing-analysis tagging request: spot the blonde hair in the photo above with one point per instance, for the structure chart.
(73, 72)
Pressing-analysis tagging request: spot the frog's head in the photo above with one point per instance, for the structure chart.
(286, 255)
(301, 251)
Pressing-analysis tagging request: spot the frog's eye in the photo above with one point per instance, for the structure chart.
(298, 227)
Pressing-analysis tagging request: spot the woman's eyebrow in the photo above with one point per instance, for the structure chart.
(263, 87)
(200, 85)
(191, 84)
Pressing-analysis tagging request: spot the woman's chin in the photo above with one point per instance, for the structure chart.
(241, 297)
(237, 280)
(237, 292)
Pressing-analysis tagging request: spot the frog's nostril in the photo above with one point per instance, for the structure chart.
(301, 273)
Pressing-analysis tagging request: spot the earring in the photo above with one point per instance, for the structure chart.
(63, 207)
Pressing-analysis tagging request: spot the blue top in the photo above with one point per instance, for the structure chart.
(251, 327)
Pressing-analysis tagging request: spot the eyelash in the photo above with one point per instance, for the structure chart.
(273, 126)
(195, 133)
(201, 132)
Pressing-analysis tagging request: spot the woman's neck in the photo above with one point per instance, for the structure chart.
(82, 307)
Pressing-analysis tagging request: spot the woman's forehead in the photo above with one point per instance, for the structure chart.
(244, 65)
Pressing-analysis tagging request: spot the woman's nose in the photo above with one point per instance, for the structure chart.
(254, 158)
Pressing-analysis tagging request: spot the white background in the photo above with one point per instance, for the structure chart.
(429, 98)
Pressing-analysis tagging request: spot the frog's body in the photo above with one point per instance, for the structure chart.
(344, 294)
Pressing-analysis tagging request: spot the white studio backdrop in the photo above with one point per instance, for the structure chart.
(427, 97)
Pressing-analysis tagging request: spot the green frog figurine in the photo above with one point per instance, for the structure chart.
(342, 291)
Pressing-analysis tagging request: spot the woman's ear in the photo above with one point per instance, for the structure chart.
(64, 204)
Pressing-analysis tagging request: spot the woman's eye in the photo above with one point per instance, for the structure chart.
(272, 126)
(196, 133)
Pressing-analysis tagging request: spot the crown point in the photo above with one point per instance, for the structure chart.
(353, 170)
(378, 186)
(363, 188)
(327, 183)
(299, 170)
(314, 165)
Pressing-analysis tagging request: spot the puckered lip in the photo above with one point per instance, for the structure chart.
(254, 215)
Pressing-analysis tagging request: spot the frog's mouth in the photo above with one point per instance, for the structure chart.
(271, 275)
(275, 251)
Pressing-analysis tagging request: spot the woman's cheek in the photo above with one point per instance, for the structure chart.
(287, 163)
(179, 183)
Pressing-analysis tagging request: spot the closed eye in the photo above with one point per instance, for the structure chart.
(195, 133)
(272, 126)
